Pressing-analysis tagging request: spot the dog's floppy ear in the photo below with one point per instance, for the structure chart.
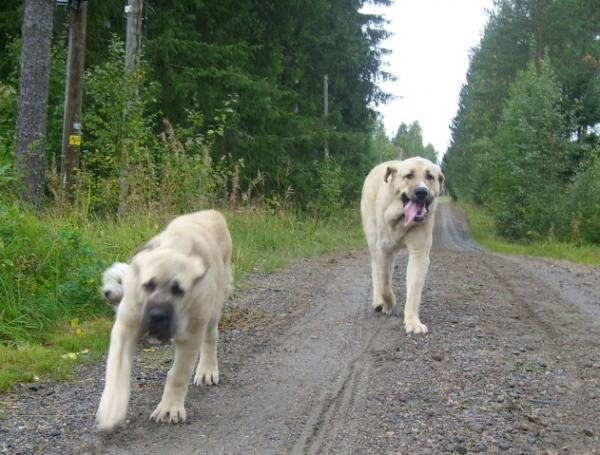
(390, 171)
(201, 266)
(139, 249)
(133, 269)
(441, 179)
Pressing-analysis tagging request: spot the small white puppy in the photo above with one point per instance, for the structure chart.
(112, 283)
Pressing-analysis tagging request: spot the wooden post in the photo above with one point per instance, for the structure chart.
(71, 142)
(326, 113)
(133, 43)
(133, 40)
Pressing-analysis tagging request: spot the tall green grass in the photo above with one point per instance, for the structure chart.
(52, 316)
(48, 272)
(51, 313)
(482, 230)
(263, 242)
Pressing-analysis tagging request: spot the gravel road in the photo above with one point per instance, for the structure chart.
(511, 366)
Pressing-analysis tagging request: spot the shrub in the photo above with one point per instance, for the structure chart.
(529, 159)
(581, 204)
(47, 273)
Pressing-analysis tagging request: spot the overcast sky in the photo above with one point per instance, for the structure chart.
(430, 57)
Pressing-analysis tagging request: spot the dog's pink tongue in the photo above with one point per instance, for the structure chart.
(410, 212)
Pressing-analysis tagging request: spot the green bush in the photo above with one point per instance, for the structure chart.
(47, 274)
(7, 124)
(126, 166)
(527, 163)
(581, 203)
(329, 188)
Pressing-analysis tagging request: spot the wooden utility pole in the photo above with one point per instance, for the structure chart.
(326, 113)
(133, 40)
(133, 43)
(71, 142)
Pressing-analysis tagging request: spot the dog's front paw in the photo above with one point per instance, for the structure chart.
(108, 423)
(107, 426)
(414, 326)
(169, 413)
(206, 376)
(111, 413)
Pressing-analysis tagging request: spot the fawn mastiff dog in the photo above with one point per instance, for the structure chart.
(398, 204)
(174, 289)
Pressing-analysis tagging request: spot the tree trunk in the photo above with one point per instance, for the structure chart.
(72, 127)
(32, 104)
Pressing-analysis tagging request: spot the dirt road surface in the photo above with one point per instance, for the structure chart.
(511, 366)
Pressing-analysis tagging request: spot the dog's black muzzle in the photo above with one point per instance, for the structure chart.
(159, 321)
(422, 194)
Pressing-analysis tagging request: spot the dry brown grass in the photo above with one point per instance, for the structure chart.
(243, 318)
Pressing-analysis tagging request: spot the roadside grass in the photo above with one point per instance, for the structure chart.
(482, 230)
(76, 328)
(263, 242)
(33, 361)
(57, 333)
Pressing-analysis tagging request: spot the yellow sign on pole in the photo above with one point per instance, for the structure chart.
(74, 139)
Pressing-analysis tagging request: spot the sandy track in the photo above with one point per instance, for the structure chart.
(511, 365)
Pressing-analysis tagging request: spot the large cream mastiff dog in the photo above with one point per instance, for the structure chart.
(173, 289)
(397, 206)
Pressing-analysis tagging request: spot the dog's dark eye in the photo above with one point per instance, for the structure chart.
(150, 286)
(118, 280)
(430, 177)
(408, 176)
(176, 290)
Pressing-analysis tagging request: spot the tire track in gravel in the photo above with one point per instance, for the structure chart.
(511, 365)
(338, 400)
(290, 396)
(346, 390)
(526, 290)
(511, 361)
(343, 397)
(519, 282)
(453, 231)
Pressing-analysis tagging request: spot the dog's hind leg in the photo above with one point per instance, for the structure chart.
(171, 408)
(382, 267)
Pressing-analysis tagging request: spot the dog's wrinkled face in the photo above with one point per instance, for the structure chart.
(166, 279)
(416, 182)
(112, 283)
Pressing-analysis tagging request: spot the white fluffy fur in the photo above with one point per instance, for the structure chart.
(112, 283)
